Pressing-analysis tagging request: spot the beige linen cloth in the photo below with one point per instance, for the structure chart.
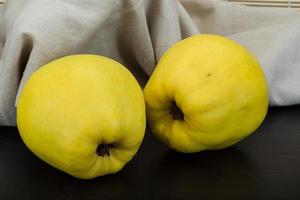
(136, 33)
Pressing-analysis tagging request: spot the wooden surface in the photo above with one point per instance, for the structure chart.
(266, 165)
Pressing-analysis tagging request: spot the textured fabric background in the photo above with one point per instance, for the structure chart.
(136, 33)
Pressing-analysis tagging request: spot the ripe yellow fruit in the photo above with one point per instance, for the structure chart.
(83, 114)
(207, 92)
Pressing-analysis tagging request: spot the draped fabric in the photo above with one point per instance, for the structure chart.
(136, 33)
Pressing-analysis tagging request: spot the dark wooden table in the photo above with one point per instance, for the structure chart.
(266, 165)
